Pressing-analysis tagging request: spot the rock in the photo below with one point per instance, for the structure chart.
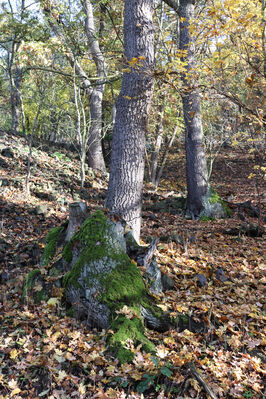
(219, 274)
(4, 277)
(167, 282)
(154, 277)
(4, 182)
(201, 280)
(3, 163)
(7, 152)
(41, 210)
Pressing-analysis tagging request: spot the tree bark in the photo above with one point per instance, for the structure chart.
(77, 215)
(95, 153)
(124, 194)
(197, 182)
(15, 100)
(158, 142)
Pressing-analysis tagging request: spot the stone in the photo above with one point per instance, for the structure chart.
(219, 274)
(7, 152)
(167, 282)
(201, 280)
(41, 209)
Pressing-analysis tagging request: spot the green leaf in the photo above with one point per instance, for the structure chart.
(166, 371)
(155, 361)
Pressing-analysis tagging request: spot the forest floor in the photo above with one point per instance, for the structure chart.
(45, 354)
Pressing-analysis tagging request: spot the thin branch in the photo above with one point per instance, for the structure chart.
(199, 378)
(173, 4)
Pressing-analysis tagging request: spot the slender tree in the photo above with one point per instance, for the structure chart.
(95, 153)
(196, 171)
(197, 182)
(124, 194)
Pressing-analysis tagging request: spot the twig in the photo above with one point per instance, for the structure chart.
(201, 380)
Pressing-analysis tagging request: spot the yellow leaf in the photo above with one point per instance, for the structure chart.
(53, 302)
(127, 97)
(82, 389)
(38, 287)
(133, 61)
(15, 391)
(126, 70)
(61, 375)
(12, 384)
(163, 307)
(13, 354)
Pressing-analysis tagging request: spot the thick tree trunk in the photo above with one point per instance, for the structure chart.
(127, 160)
(101, 284)
(197, 182)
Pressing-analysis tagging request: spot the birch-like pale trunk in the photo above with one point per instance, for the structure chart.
(124, 194)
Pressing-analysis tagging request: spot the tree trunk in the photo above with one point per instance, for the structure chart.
(197, 182)
(124, 194)
(15, 83)
(95, 153)
(101, 284)
(158, 142)
(77, 215)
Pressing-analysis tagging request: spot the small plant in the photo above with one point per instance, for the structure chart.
(60, 156)
(248, 394)
(154, 380)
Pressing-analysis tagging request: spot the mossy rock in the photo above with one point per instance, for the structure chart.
(214, 207)
(34, 287)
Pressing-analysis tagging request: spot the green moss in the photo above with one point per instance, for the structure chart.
(28, 283)
(206, 218)
(122, 286)
(128, 332)
(51, 240)
(214, 198)
(54, 272)
(70, 312)
(91, 238)
(125, 286)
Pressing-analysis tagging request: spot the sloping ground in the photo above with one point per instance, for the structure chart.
(45, 354)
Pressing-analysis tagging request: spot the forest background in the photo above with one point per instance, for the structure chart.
(61, 72)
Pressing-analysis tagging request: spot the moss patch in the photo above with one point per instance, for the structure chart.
(28, 286)
(97, 247)
(215, 198)
(125, 286)
(91, 239)
(51, 240)
(128, 333)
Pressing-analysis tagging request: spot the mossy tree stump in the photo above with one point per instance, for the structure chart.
(103, 285)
